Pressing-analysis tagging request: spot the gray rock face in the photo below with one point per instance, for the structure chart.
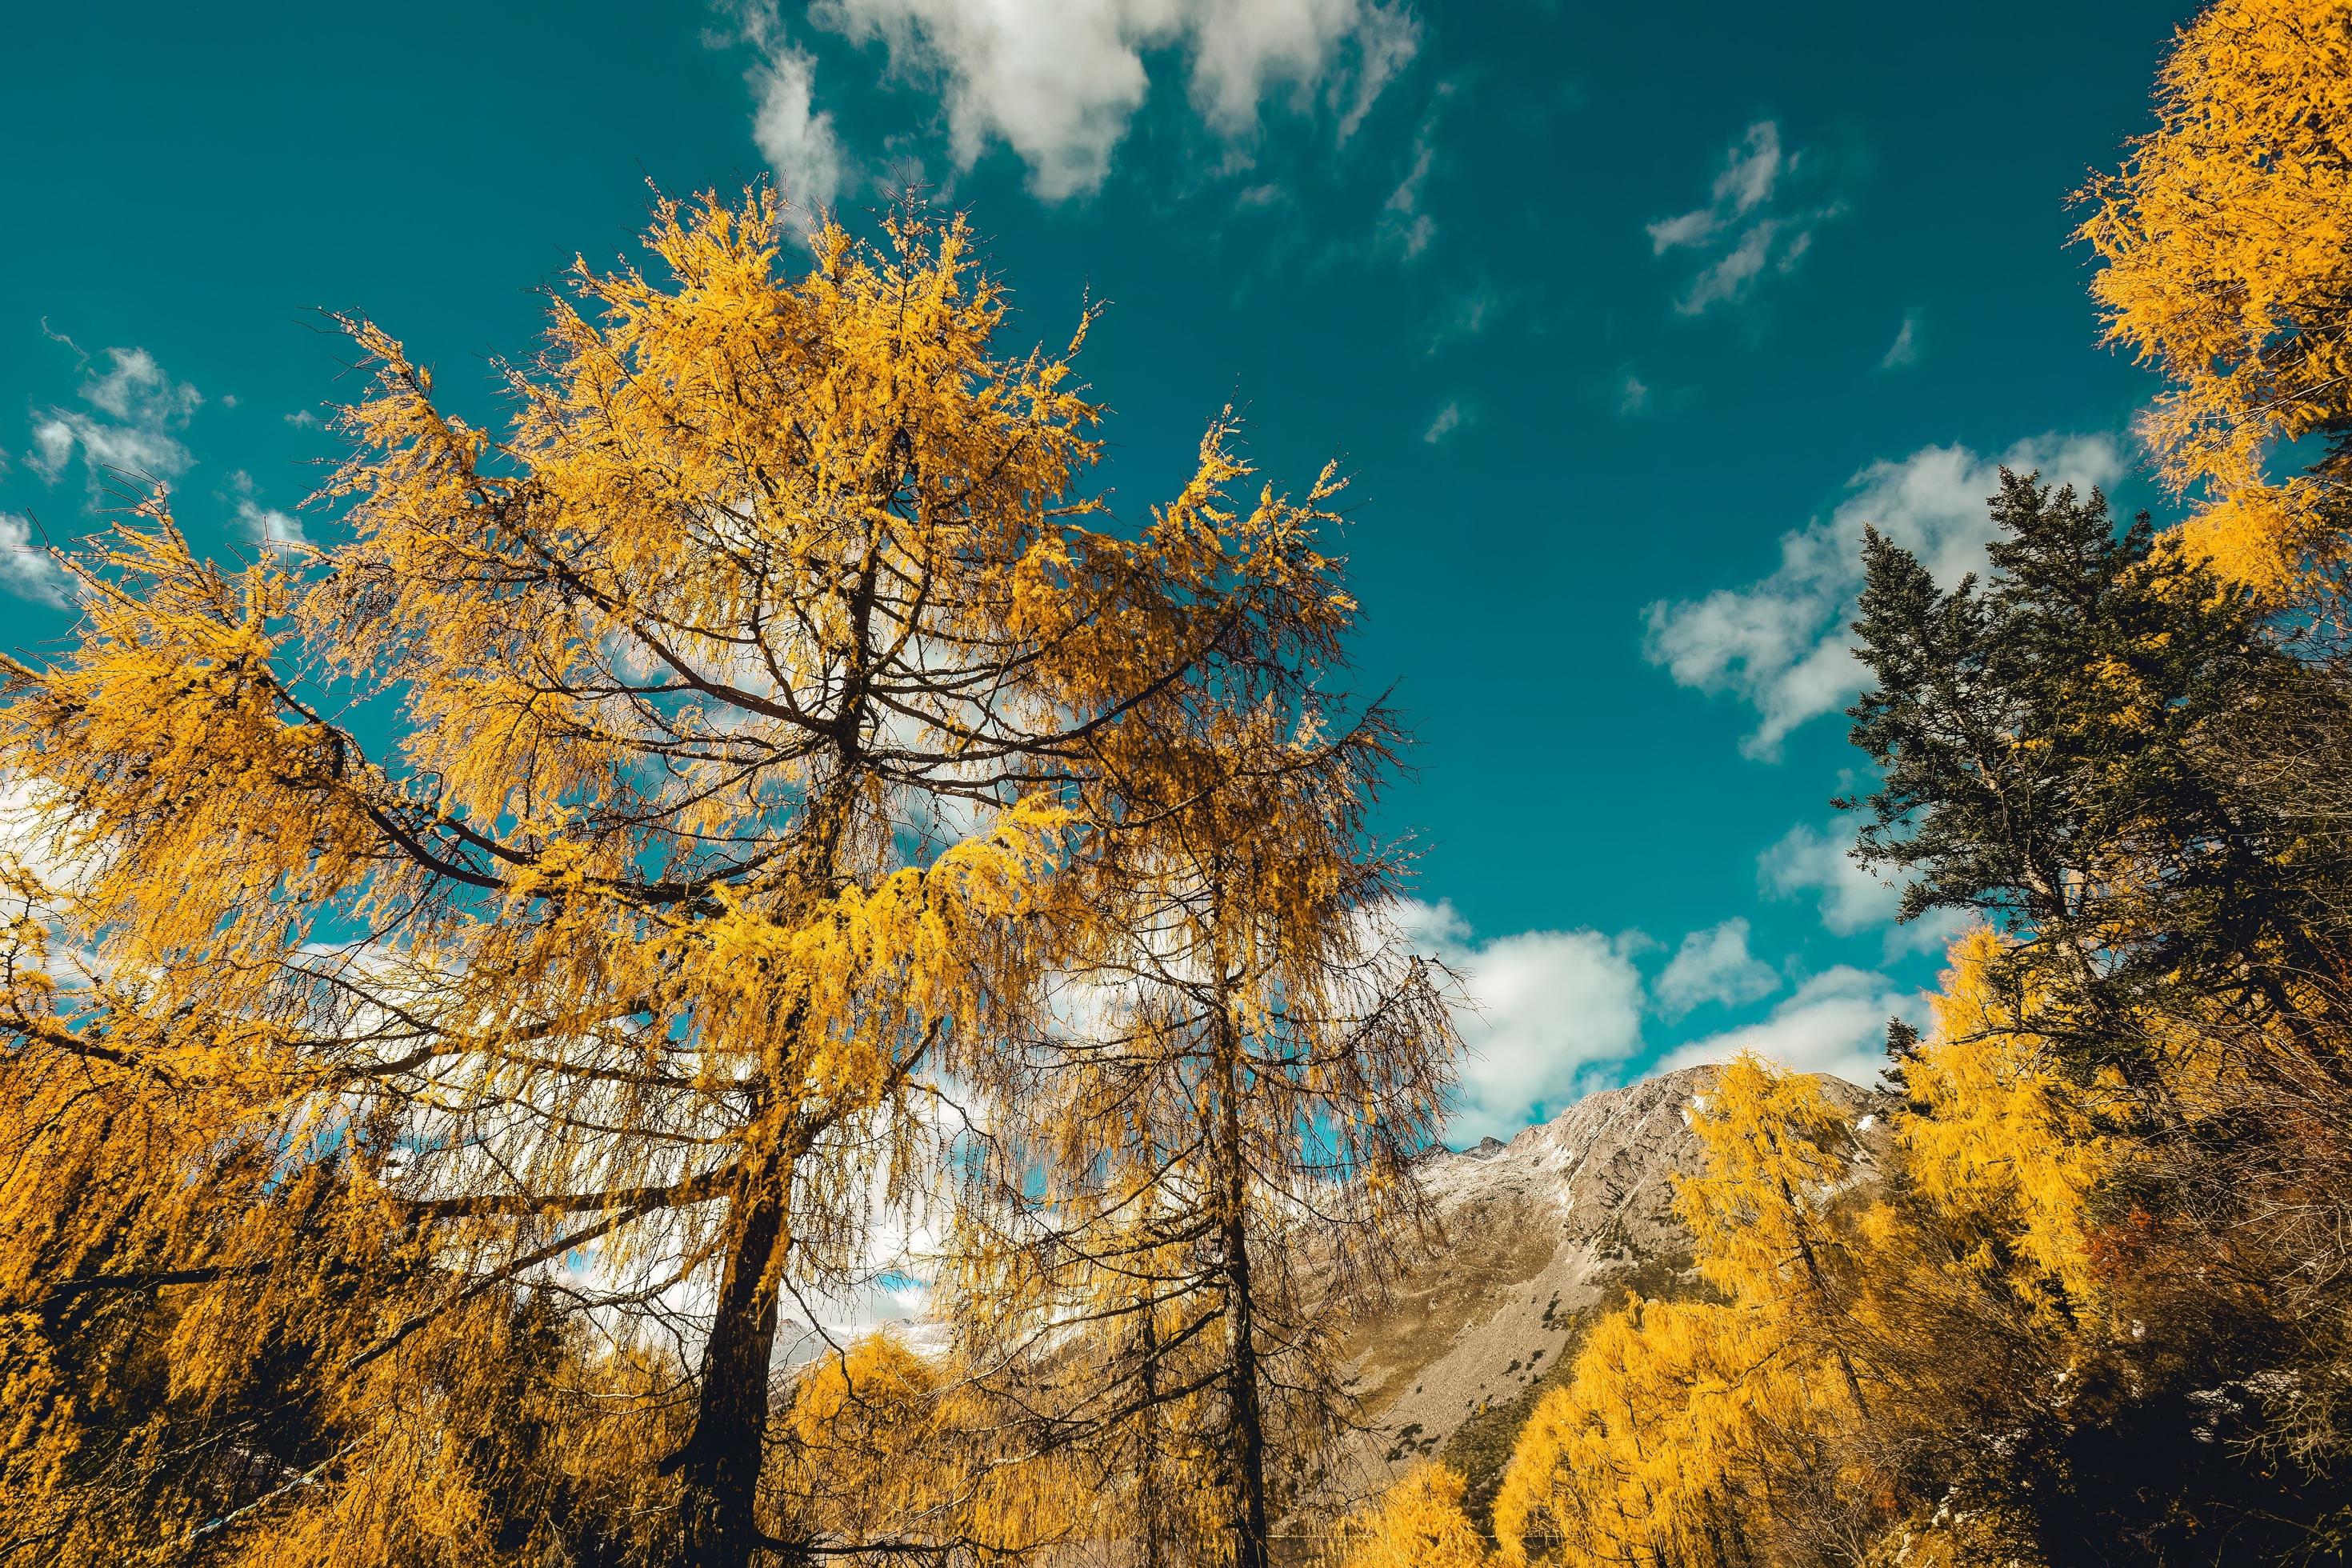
(1533, 1231)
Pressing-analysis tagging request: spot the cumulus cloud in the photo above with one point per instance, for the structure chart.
(1714, 966)
(1782, 643)
(130, 425)
(1058, 83)
(27, 569)
(1758, 217)
(1833, 1023)
(1449, 419)
(1544, 1008)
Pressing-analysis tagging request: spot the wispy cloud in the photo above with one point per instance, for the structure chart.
(1450, 418)
(263, 525)
(1758, 218)
(1405, 222)
(1781, 644)
(1905, 349)
(1632, 395)
(130, 424)
(1806, 861)
(792, 134)
(1467, 314)
(1059, 84)
(1386, 39)
(797, 140)
(81, 355)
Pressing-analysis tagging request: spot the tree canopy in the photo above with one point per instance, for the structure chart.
(661, 843)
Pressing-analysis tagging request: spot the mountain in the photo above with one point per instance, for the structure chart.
(1536, 1238)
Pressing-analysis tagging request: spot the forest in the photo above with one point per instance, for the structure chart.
(473, 990)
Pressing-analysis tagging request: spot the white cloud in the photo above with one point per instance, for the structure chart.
(263, 525)
(1449, 419)
(795, 137)
(1714, 966)
(1386, 39)
(1743, 230)
(138, 411)
(1632, 395)
(1403, 221)
(797, 142)
(134, 388)
(1545, 1009)
(1904, 350)
(1852, 899)
(1059, 80)
(53, 447)
(303, 419)
(1836, 1023)
(25, 568)
(1780, 644)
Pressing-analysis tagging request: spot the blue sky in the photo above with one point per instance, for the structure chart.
(1624, 319)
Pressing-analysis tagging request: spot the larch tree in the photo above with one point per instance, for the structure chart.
(584, 886)
(1664, 1448)
(1221, 1170)
(1417, 1522)
(2223, 240)
(1776, 1154)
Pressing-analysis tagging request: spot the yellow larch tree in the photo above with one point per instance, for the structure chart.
(1201, 1191)
(1666, 1445)
(1777, 1151)
(577, 892)
(2003, 1143)
(2226, 240)
(1694, 1432)
(1417, 1522)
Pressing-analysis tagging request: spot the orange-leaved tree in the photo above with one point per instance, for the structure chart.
(2226, 240)
(1203, 1186)
(577, 892)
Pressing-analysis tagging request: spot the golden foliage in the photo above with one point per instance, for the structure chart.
(2225, 246)
(600, 882)
(1418, 1523)
(2008, 1146)
(1680, 1422)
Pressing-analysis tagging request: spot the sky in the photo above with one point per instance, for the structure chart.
(1623, 321)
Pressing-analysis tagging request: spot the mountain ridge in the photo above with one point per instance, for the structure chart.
(1534, 1236)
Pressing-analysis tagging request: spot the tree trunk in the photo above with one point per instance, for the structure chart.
(719, 1462)
(1147, 1454)
(1251, 1530)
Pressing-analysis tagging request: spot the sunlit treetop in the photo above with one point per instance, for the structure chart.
(2227, 265)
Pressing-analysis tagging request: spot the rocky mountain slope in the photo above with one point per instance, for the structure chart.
(1536, 1233)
